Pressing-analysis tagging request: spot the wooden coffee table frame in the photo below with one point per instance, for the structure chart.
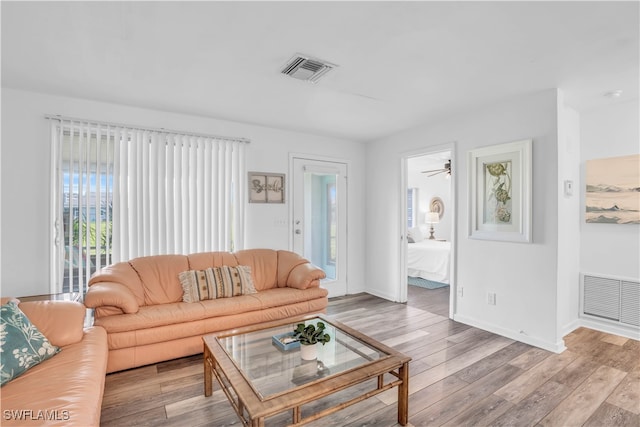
(252, 409)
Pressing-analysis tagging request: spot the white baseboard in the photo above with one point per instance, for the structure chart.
(355, 290)
(556, 347)
(567, 329)
(623, 331)
(382, 295)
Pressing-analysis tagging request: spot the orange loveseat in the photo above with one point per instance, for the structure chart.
(139, 302)
(67, 389)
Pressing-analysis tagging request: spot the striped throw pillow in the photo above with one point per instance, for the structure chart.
(216, 282)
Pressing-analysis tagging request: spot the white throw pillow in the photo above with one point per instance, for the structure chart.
(414, 235)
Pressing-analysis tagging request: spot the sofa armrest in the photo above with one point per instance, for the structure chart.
(305, 276)
(62, 322)
(111, 294)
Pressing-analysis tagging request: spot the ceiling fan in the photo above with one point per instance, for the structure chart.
(446, 168)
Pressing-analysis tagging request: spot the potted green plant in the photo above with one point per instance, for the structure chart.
(308, 336)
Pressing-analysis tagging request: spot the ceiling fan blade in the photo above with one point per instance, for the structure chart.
(447, 169)
(435, 170)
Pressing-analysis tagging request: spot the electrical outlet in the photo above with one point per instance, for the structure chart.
(491, 298)
(461, 292)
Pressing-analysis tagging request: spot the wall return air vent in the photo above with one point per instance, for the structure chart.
(611, 299)
(306, 68)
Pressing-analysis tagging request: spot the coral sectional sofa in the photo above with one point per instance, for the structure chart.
(140, 302)
(66, 389)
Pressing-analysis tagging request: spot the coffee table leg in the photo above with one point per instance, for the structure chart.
(403, 395)
(208, 374)
(296, 415)
(257, 422)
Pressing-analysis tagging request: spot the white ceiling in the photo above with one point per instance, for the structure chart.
(401, 64)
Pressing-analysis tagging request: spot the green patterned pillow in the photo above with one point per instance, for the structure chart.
(22, 345)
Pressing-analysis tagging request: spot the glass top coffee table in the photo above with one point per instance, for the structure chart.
(262, 379)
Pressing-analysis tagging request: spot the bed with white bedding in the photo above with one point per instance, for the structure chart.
(429, 259)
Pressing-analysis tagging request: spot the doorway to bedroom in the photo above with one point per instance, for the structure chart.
(430, 218)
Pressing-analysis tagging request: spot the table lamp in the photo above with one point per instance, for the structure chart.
(432, 218)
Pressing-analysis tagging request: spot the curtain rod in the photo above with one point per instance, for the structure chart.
(97, 122)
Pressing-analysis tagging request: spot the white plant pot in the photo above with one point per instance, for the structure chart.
(309, 352)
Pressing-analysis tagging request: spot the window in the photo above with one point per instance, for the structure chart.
(121, 193)
(87, 227)
(412, 207)
(332, 223)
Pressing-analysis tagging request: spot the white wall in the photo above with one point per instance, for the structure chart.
(609, 249)
(568, 218)
(25, 187)
(522, 275)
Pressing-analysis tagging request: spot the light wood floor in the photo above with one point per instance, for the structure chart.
(459, 376)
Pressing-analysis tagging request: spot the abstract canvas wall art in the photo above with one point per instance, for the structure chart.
(613, 190)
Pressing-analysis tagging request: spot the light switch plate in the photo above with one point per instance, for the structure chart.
(568, 188)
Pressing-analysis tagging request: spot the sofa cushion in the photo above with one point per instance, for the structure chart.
(151, 316)
(62, 322)
(203, 260)
(287, 296)
(176, 313)
(182, 312)
(159, 277)
(23, 344)
(264, 266)
(266, 310)
(68, 386)
(216, 282)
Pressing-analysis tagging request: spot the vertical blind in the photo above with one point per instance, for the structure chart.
(122, 192)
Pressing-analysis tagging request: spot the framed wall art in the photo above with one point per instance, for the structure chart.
(266, 187)
(500, 192)
(613, 190)
(437, 205)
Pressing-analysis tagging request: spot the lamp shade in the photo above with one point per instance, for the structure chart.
(433, 218)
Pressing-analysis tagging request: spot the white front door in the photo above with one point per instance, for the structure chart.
(319, 229)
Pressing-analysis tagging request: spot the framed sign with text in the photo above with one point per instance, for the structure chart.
(266, 187)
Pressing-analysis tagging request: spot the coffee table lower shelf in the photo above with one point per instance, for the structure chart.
(253, 409)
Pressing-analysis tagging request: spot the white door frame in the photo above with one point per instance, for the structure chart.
(403, 285)
(292, 226)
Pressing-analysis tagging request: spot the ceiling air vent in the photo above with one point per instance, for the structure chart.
(306, 68)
